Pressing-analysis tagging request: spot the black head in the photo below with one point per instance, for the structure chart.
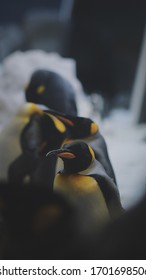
(82, 128)
(52, 90)
(78, 127)
(77, 156)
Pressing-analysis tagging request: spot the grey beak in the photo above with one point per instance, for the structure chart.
(56, 152)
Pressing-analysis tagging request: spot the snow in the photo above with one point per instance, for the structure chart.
(125, 140)
(15, 73)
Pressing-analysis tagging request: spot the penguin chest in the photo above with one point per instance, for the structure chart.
(77, 184)
(83, 191)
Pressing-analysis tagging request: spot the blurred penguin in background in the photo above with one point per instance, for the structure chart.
(42, 132)
(36, 224)
(30, 135)
(51, 89)
(10, 146)
(24, 140)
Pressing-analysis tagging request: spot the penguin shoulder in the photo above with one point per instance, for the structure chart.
(77, 183)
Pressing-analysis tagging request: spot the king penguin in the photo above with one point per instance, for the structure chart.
(85, 183)
(87, 129)
(77, 126)
(53, 90)
(41, 132)
(10, 146)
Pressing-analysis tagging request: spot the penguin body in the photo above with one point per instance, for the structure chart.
(10, 146)
(51, 89)
(94, 194)
(42, 132)
(84, 193)
(29, 133)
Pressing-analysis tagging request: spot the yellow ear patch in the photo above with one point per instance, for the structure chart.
(94, 128)
(47, 215)
(40, 89)
(59, 125)
(92, 153)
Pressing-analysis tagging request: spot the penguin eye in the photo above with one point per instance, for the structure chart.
(40, 89)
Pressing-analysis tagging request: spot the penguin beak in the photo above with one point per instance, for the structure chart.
(63, 153)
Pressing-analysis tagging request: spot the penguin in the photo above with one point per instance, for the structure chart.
(36, 223)
(44, 131)
(9, 137)
(87, 129)
(85, 183)
(51, 89)
(72, 125)
(32, 119)
(78, 127)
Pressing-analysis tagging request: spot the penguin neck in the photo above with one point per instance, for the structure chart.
(90, 170)
(71, 169)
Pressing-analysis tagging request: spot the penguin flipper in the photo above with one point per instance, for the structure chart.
(109, 190)
(101, 154)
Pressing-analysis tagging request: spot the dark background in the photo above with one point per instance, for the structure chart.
(104, 37)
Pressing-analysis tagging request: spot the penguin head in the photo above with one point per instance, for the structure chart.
(78, 127)
(77, 156)
(51, 89)
(36, 86)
